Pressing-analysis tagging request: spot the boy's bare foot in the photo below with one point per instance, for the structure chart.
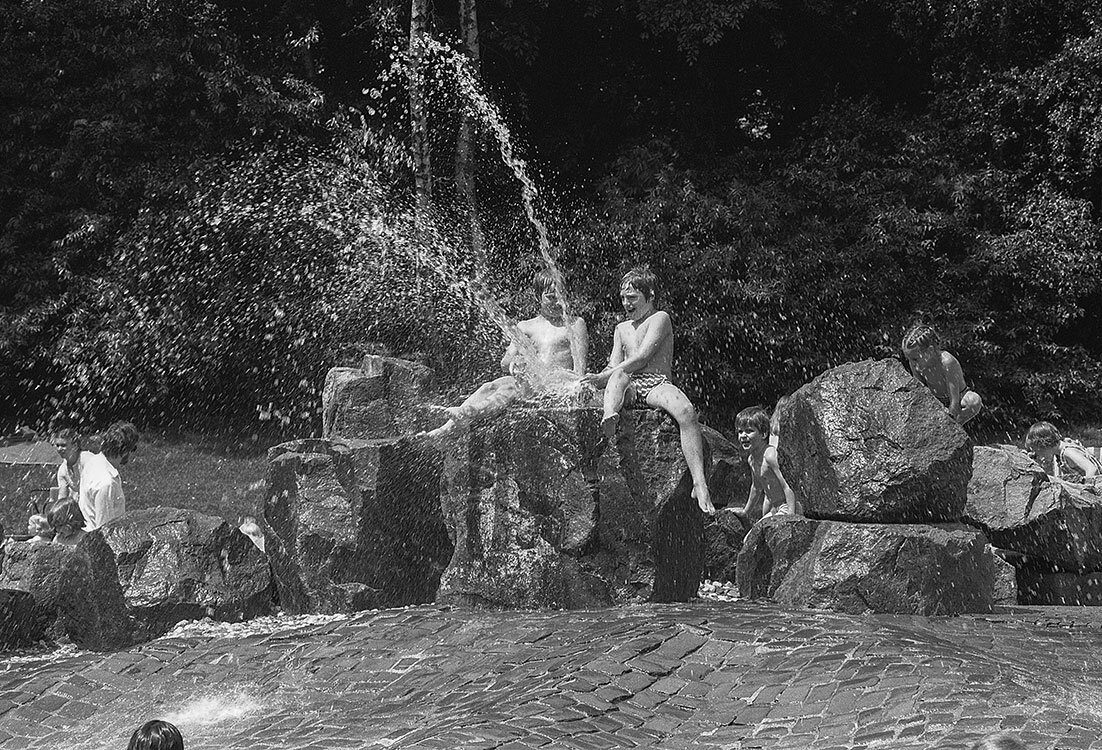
(609, 425)
(739, 513)
(442, 432)
(703, 500)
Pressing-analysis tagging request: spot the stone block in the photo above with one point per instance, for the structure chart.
(866, 442)
(1036, 585)
(76, 590)
(857, 568)
(352, 525)
(176, 565)
(384, 397)
(21, 623)
(1012, 499)
(543, 515)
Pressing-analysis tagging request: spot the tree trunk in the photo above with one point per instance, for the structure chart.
(418, 113)
(467, 140)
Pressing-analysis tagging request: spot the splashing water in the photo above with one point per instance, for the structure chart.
(479, 105)
(211, 710)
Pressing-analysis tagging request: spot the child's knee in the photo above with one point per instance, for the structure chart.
(972, 401)
(618, 380)
(684, 413)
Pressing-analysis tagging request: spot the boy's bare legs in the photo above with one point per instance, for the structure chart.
(970, 405)
(490, 399)
(672, 400)
(615, 390)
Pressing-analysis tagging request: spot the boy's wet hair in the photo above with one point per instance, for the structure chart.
(120, 438)
(1042, 435)
(65, 512)
(67, 433)
(156, 735)
(754, 417)
(641, 278)
(543, 281)
(920, 335)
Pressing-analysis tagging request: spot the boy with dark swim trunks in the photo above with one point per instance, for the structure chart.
(940, 372)
(639, 372)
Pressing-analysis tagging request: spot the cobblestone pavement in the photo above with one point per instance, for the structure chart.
(708, 674)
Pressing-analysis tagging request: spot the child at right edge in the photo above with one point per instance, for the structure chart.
(767, 482)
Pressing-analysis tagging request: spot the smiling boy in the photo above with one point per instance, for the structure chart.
(638, 372)
(767, 482)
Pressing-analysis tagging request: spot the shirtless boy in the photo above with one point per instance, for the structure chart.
(940, 372)
(639, 371)
(560, 346)
(767, 483)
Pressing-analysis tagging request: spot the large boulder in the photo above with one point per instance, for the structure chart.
(384, 397)
(856, 568)
(723, 536)
(76, 590)
(1012, 499)
(543, 515)
(176, 565)
(352, 525)
(867, 442)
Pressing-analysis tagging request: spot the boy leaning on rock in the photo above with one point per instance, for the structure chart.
(940, 372)
(639, 372)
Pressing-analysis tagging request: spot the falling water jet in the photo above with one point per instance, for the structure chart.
(481, 106)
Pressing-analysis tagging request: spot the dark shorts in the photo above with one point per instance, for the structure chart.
(644, 383)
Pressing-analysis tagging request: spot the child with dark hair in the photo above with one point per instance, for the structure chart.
(940, 371)
(65, 518)
(120, 439)
(767, 482)
(1060, 457)
(639, 371)
(156, 735)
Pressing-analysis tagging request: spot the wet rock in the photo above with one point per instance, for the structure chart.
(543, 516)
(352, 525)
(856, 568)
(867, 442)
(20, 623)
(75, 589)
(723, 537)
(1003, 489)
(1020, 509)
(176, 565)
(1036, 585)
(384, 397)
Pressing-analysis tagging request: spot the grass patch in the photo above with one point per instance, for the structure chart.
(196, 472)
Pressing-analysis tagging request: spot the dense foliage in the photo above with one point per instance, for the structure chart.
(202, 203)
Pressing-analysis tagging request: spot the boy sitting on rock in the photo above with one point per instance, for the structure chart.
(767, 483)
(559, 345)
(940, 371)
(639, 371)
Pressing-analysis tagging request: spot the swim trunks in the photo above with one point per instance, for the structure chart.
(644, 383)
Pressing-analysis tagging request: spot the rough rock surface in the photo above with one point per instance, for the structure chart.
(20, 623)
(384, 397)
(76, 590)
(353, 525)
(887, 568)
(867, 442)
(176, 565)
(1013, 501)
(723, 537)
(543, 515)
(1037, 585)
